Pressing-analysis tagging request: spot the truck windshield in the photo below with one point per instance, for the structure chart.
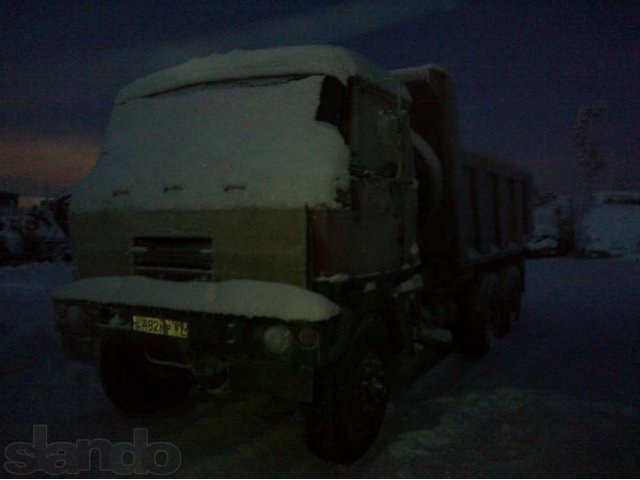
(256, 142)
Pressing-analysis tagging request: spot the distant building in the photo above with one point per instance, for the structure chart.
(611, 226)
(8, 201)
(26, 202)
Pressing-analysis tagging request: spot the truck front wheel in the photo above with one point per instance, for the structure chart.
(135, 385)
(350, 398)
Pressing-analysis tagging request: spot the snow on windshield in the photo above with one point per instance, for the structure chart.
(219, 146)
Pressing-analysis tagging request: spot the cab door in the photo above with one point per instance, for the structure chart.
(373, 232)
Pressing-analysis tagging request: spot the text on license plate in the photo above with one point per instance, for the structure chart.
(161, 326)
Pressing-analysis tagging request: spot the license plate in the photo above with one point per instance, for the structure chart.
(160, 326)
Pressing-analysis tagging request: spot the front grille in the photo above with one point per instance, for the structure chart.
(173, 258)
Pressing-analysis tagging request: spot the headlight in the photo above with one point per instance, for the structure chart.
(278, 339)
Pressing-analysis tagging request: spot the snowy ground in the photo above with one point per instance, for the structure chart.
(559, 396)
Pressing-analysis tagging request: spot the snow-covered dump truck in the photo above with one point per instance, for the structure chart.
(288, 220)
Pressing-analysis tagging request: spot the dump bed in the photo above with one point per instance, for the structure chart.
(485, 210)
(492, 208)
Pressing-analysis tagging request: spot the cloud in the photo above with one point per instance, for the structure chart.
(45, 165)
(88, 78)
(320, 25)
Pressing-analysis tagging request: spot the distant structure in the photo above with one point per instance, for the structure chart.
(589, 160)
(28, 201)
(8, 202)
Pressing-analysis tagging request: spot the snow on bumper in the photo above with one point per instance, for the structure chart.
(245, 298)
(267, 336)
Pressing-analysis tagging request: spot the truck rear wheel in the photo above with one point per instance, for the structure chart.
(135, 385)
(479, 317)
(511, 285)
(350, 398)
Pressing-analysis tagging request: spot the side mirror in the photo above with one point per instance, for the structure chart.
(405, 146)
(388, 130)
(394, 140)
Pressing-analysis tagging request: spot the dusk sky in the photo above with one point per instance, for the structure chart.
(524, 69)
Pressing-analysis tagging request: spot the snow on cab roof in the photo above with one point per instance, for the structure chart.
(244, 64)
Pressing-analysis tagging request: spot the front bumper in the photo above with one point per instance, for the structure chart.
(214, 343)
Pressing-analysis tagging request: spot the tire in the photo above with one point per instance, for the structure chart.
(511, 286)
(135, 385)
(479, 316)
(350, 398)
